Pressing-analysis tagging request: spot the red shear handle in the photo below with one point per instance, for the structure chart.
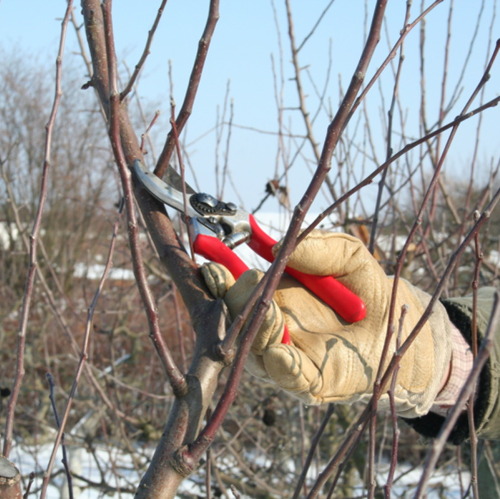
(347, 304)
(215, 250)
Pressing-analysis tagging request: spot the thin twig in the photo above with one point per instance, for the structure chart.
(175, 135)
(389, 150)
(474, 343)
(175, 377)
(392, 54)
(301, 96)
(382, 184)
(194, 82)
(312, 449)
(482, 357)
(395, 428)
(65, 459)
(33, 264)
(145, 135)
(145, 52)
(315, 27)
(83, 356)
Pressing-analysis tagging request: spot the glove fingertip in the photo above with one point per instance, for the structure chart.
(217, 278)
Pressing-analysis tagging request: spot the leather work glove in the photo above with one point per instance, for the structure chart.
(330, 360)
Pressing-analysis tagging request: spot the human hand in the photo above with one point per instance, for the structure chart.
(328, 359)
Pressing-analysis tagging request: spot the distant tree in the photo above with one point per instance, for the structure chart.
(80, 191)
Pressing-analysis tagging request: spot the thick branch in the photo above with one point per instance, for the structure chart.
(169, 248)
(164, 474)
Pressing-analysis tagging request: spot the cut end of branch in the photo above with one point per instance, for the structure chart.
(87, 85)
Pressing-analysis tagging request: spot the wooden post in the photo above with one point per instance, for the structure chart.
(10, 480)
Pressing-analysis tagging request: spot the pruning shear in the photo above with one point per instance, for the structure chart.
(229, 227)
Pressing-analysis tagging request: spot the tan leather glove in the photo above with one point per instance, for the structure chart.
(330, 360)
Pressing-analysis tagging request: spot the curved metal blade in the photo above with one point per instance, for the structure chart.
(165, 192)
(175, 180)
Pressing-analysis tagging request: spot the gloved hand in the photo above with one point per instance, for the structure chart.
(330, 360)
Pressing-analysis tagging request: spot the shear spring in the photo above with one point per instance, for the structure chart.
(205, 204)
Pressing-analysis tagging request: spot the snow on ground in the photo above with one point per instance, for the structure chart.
(121, 474)
(95, 271)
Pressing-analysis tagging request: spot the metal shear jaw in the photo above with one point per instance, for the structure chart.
(162, 191)
(224, 220)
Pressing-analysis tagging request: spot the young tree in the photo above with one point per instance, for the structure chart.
(408, 169)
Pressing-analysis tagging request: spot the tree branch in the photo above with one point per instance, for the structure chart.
(33, 263)
(145, 53)
(194, 82)
(163, 475)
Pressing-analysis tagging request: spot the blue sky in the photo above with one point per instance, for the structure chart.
(245, 41)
